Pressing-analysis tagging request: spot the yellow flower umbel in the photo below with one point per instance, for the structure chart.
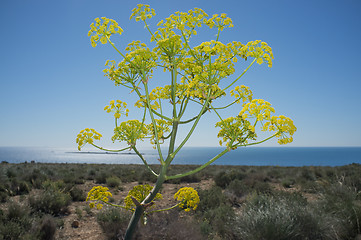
(98, 195)
(102, 30)
(87, 136)
(188, 198)
(142, 12)
(139, 193)
(130, 131)
(117, 107)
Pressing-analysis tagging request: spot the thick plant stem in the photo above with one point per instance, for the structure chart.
(139, 210)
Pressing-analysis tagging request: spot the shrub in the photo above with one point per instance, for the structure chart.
(77, 194)
(36, 178)
(215, 215)
(47, 228)
(113, 182)
(113, 221)
(222, 179)
(10, 173)
(50, 201)
(288, 182)
(101, 178)
(3, 197)
(286, 216)
(341, 203)
(19, 187)
(210, 199)
(15, 222)
(221, 220)
(238, 188)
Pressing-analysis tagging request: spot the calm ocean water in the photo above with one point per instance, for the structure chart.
(258, 156)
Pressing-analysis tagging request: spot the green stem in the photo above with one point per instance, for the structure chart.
(144, 161)
(199, 168)
(153, 120)
(194, 125)
(216, 112)
(111, 43)
(235, 101)
(116, 205)
(264, 140)
(254, 60)
(183, 106)
(110, 150)
(147, 26)
(165, 209)
(161, 116)
(139, 210)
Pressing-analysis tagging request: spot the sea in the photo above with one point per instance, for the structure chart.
(251, 156)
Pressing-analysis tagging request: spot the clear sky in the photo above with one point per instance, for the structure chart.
(52, 85)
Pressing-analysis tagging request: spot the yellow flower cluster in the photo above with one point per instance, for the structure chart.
(140, 58)
(162, 128)
(139, 192)
(130, 131)
(199, 90)
(87, 136)
(98, 195)
(197, 65)
(220, 21)
(235, 130)
(117, 107)
(102, 30)
(188, 21)
(183, 21)
(242, 92)
(261, 51)
(137, 61)
(142, 12)
(188, 198)
(257, 108)
(122, 73)
(283, 125)
(161, 93)
(168, 46)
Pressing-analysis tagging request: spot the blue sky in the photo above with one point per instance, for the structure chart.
(52, 85)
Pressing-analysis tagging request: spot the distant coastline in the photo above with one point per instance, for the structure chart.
(257, 156)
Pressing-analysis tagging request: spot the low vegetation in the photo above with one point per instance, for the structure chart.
(244, 202)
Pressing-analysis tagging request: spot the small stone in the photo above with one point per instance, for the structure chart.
(75, 224)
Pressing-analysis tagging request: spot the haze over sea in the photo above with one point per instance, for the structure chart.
(258, 156)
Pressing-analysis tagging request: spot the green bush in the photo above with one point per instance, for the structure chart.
(238, 188)
(50, 201)
(36, 178)
(216, 217)
(113, 182)
(15, 222)
(77, 194)
(101, 178)
(211, 198)
(19, 187)
(222, 179)
(341, 202)
(113, 222)
(221, 220)
(288, 182)
(284, 216)
(47, 228)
